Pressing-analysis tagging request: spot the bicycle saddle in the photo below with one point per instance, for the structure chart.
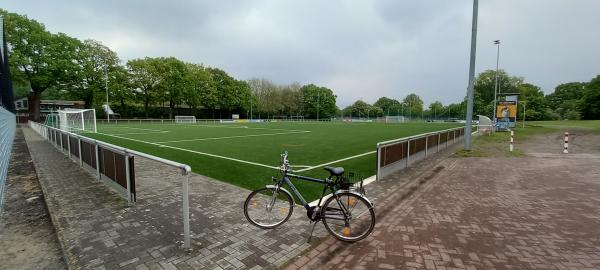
(334, 171)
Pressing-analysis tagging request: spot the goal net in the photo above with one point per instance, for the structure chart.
(77, 120)
(183, 119)
(395, 119)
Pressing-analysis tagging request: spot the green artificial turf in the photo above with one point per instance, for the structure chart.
(308, 144)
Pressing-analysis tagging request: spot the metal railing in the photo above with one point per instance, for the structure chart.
(90, 154)
(7, 135)
(395, 155)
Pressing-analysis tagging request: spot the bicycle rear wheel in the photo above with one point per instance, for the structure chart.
(268, 208)
(348, 216)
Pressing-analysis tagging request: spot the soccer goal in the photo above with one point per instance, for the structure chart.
(77, 120)
(395, 119)
(184, 119)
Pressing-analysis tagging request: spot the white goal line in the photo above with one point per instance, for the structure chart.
(237, 136)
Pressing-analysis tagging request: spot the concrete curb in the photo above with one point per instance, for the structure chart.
(70, 259)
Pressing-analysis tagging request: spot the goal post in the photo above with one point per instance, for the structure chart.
(185, 119)
(77, 120)
(395, 119)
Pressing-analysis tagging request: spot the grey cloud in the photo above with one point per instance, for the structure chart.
(360, 49)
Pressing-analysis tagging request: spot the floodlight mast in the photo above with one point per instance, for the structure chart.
(497, 42)
(106, 86)
(469, 119)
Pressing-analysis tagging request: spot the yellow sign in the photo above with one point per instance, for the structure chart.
(506, 109)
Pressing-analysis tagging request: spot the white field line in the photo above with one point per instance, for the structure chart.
(140, 133)
(145, 129)
(237, 136)
(244, 127)
(336, 161)
(195, 152)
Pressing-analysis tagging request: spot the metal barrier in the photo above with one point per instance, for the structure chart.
(7, 134)
(395, 155)
(114, 165)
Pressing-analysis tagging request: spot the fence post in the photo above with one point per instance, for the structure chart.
(186, 210)
(127, 178)
(61, 142)
(566, 146)
(69, 145)
(512, 133)
(97, 150)
(407, 152)
(426, 140)
(454, 137)
(80, 158)
(377, 175)
(438, 144)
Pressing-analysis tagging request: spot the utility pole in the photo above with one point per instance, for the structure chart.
(469, 119)
(497, 42)
(106, 87)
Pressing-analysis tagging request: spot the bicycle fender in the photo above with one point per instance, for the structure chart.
(357, 194)
(284, 191)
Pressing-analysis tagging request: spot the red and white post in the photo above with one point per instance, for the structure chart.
(512, 134)
(566, 150)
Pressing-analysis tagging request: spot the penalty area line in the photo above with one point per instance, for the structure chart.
(195, 152)
(336, 161)
(237, 136)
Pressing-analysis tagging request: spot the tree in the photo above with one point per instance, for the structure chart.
(144, 77)
(95, 64)
(484, 89)
(534, 101)
(388, 106)
(566, 98)
(198, 88)
(39, 58)
(590, 103)
(172, 74)
(413, 105)
(319, 102)
(436, 109)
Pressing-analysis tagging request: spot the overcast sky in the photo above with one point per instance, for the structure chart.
(360, 49)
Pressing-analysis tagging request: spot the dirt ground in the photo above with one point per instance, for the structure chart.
(27, 237)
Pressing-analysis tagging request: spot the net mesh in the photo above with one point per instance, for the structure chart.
(395, 119)
(183, 119)
(77, 120)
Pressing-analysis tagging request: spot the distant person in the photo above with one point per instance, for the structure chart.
(505, 113)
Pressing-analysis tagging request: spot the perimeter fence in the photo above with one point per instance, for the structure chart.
(395, 155)
(111, 164)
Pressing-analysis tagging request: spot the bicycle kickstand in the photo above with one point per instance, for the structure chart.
(312, 230)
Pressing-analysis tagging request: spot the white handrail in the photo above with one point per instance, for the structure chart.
(185, 169)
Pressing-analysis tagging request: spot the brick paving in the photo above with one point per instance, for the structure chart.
(98, 230)
(535, 212)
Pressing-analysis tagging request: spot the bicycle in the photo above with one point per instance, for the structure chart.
(347, 213)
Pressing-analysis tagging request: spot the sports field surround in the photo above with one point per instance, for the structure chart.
(247, 154)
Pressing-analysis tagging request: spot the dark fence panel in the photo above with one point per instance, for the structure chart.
(394, 153)
(74, 146)
(420, 144)
(88, 154)
(65, 141)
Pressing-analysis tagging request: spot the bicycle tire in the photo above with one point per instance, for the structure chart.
(355, 228)
(257, 202)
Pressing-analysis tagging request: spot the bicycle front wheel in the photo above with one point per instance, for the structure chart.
(268, 208)
(348, 216)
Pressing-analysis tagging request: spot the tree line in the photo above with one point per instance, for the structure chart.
(57, 66)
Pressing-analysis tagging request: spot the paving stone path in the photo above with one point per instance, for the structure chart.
(534, 212)
(98, 230)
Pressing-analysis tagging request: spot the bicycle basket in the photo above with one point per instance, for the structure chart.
(353, 182)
